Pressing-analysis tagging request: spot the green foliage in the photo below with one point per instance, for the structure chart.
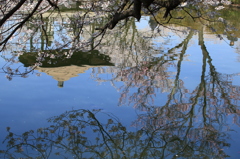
(235, 1)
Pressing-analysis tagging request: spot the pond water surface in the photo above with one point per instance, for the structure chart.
(169, 96)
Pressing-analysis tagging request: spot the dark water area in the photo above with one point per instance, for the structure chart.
(142, 93)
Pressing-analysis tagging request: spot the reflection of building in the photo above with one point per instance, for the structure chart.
(62, 68)
(64, 73)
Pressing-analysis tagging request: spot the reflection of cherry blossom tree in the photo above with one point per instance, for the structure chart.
(95, 134)
(154, 73)
(25, 24)
(196, 118)
(148, 77)
(189, 136)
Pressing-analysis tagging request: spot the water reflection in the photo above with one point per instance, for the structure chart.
(173, 120)
(160, 133)
(62, 68)
(54, 58)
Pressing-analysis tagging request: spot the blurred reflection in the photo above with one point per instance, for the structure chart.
(189, 124)
(62, 68)
(160, 133)
(54, 58)
(64, 73)
(143, 82)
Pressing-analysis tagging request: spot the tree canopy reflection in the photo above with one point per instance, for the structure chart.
(38, 26)
(143, 80)
(159, 133)
(190, 124)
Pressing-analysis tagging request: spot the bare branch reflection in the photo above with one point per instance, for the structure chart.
(96, 134)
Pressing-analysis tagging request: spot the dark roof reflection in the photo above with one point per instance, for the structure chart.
(78, 58)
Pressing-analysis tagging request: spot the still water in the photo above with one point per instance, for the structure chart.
(151, 96)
